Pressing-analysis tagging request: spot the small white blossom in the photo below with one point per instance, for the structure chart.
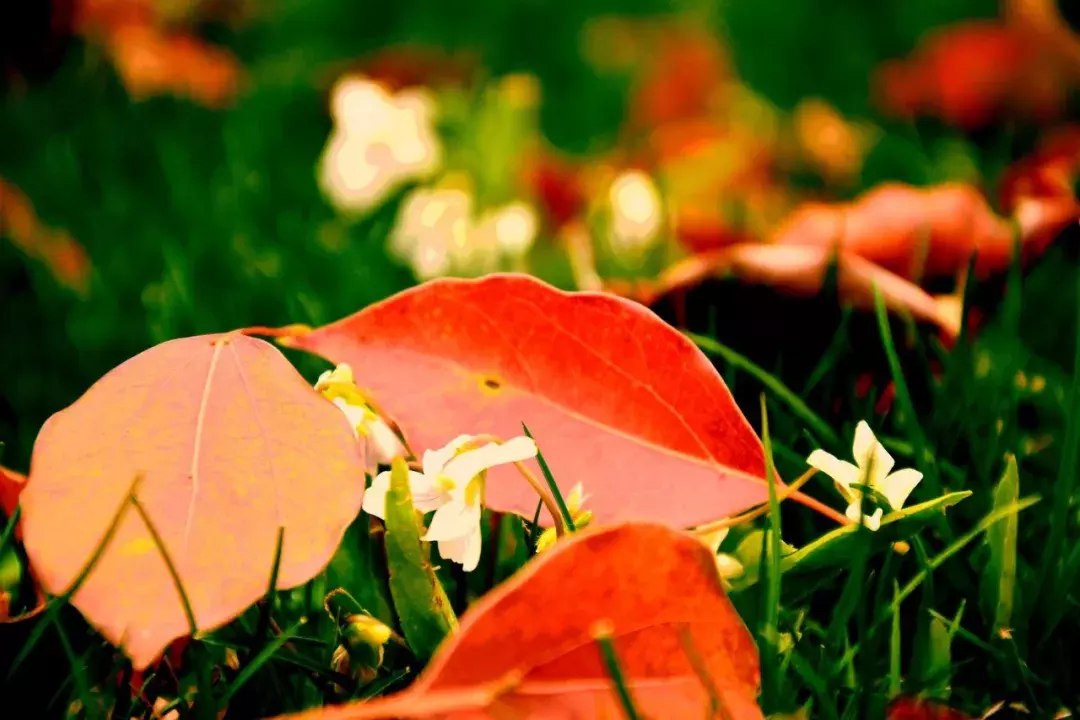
(381, 444)
(873, 468)
(451, 484)
(380, 141)
(727, 565)
(635, 212)
(437, 234)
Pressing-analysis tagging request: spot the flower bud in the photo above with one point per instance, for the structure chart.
(361, 653)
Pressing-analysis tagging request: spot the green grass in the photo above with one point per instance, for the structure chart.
(200, 222)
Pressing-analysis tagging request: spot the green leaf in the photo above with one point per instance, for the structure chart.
(999, 574)
(421, 603)
(359, 568)
(841, 546)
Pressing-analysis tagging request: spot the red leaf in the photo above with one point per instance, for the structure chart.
(909, 708)
(11, 484)
(231, 443)
(527, 649)
(928, 232)
(56, 249)
(1048, 174)
(970, 72)
(616, 399)
(801, 270)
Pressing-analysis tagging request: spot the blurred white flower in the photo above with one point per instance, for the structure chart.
(513, 227)
(380, 141)
(873, 468)
(635, 212)
(436, 233)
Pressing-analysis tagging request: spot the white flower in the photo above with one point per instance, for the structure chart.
(873, 467)
(379, 142)
(727, 565)
(432, 230)
(575, 502)
(381, 444)
(451, 484)
(635, 212)
(513, 228)
(437, 234)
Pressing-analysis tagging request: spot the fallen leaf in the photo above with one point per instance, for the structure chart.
(153, 60)
(616, 399)
(928, 232)
(970, 72)
(11, 485)
(1050, 173)
(911, 708)
(527, 650)
(231, 444)
(800, 270)
(56, 249)
(152, 63)
(557, 184)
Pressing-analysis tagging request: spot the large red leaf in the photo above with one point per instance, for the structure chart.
(231, 443)
(527, 649)
(616, 399)
(929, 232)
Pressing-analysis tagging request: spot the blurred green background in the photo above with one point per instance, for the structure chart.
(200, 221)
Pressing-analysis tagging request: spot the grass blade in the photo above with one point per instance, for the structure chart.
(602, 636)
(1063, 488)
(552, 485)
(261, 658)
(771, 682)
(999, 575)
(903, 397)
(771, 383)
(958, 545)
(263, 626)
(60, 600)
(205, 708)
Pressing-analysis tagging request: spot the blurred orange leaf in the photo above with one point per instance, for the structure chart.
(928, 232)
(614, 396)
(527, 649)
(11, 485)
(800, 270)
(61, 254)
(911, 708)
(152, 60)
(1050, 173)
(232, 444)
(970, 72)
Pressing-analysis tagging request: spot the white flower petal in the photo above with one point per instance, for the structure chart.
(714, 538)
(728, 566)
(473, 544)
(353, 413)
(869, 453)
(897, 487)
(872, 521)
(471, 463)
(384, 445)
(453, 520)
(842, 472)
(435, 460)
(454, 550)
(375, 496)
